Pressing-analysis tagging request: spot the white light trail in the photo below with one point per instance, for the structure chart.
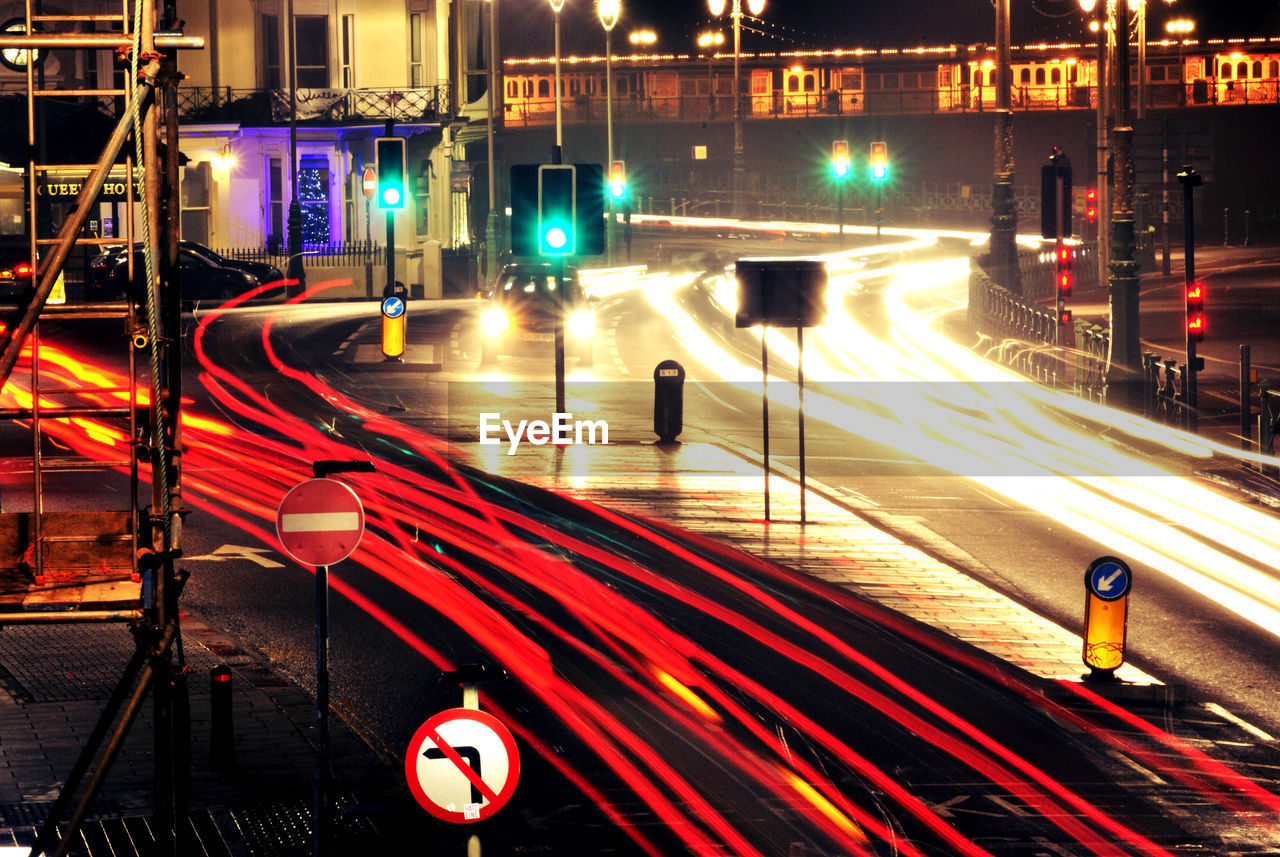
(941, 403)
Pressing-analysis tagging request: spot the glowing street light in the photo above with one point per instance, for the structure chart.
(556, 6)
(609, 11)
(755, 7)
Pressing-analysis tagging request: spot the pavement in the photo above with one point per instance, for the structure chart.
(55, 679)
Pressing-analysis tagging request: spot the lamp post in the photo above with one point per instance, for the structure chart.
(491, 222)
(1124, 376)
(556, 154)
(738, 176)
(609, 10)
(1180, 28)
(709, 41)
(294, 270)
(1004, 208)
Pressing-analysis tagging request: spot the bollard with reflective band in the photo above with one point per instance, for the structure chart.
(393, 312)
(1106, 613)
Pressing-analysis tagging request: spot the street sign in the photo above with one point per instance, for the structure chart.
(462, 765)
(393, 307)
(369, 183)
(1109, 579)
(320, 522)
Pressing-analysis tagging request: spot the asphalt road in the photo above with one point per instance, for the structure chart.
(383, 685)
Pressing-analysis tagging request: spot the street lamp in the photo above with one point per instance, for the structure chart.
(709, 41)
(739, 202)
(556, 6)
(609, 10)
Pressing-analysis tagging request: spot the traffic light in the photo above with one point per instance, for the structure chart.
(1091, 205)
(557, 195)
(1064, 317)
(1195, 312)
(557, 209)
(392, 188)
(1055, 196)
(618, 181)
(879, 161)
(1063, 274)
(840, 159)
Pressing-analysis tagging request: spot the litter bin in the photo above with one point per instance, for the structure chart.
(668, 400)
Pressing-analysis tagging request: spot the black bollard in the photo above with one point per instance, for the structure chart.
(221, 742)
(668, 400)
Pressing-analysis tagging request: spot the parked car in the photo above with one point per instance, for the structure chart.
(520, 316)
(205, 274)
(16, 272)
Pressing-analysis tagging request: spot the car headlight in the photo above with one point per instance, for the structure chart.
(581, 323)
(494, 321)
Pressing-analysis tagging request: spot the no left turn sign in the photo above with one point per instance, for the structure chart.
(462, 765)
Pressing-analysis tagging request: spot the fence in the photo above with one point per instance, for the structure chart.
(340, 254)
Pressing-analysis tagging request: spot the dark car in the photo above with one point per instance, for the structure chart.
(205, 274)
(521, 312)
(15, 268)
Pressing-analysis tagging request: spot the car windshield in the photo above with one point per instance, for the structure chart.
(535, 287)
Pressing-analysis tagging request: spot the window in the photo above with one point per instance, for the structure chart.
(851, 78)
(620, 86)
(1242, 70)
(195, 202)
(271, 51)
(347, 50)
(276, 213)
(312, 32)
(1257, 69)
(1024, 76)
(513, 89)
(1055, 76)
(1226, 71)
(1040, 77)
(793, 83)
(1156, 74)
(313, 197)
(415, 50)
(1273, 69)
(809, 83)
(544, 88)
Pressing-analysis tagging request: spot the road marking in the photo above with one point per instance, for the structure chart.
(1243, 724)
(1150, 776)
(239, 552)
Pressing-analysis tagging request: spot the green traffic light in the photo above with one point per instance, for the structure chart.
(390, 196)
(879, 172)
(555, 237)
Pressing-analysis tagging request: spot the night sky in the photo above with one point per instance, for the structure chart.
(800, 24)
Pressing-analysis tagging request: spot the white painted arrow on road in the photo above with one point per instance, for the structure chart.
(239, 552)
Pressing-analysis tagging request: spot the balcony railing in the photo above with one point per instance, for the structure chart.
(338, 106)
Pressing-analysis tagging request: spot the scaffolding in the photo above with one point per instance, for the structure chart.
(114, 563)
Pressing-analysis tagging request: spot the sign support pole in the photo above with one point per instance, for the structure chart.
(559, 336)
(764, 396)
(800, 386)
(321, 794)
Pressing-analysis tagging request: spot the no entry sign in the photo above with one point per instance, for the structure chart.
(320, 522)
(462, 765)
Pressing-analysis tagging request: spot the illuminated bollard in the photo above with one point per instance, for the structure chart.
(1106, 615)
(393, 322)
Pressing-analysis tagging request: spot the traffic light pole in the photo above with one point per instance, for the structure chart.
(1190, 179)
(559, 335)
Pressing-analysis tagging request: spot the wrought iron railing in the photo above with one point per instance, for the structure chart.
(268, 106)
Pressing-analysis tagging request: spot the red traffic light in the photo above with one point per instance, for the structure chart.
(1195, 327)
(1091, 205)
(1063, 275)
(1195, 297)
(1064, 317)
